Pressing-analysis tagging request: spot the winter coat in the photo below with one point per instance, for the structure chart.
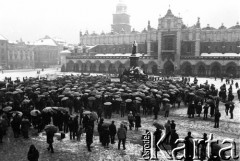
(89, 135)
(112, 130)
(198, 109)
(33, 155)
(137, 121)
(191, 109)
(50, 136)
(174, 137)
(122, 133)
(106, 136)
(157, 134)
(25, 124)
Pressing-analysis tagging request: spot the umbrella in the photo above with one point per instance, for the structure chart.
(158, 95)
(64, 98)
(8, 108)
(8, 93)
(47, 109)
(94, 115)
(15, 92)
(61, 96)
(91, 98)
(137, 101)
(45, 93)
(118, 99)
(50, 129)
(26, 101)
(17, 112)
(106, 124)
(107, 103)
(35, 112)
(86, 112)
(158, 125)
(124, 123)
(166, 95)
(165, 99)
(154, 90)
(128, 100)
(87, 91)
(138, 98)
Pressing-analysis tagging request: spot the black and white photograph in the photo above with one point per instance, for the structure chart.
(119, 80)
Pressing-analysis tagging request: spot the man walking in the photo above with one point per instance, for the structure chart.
(113, 131)
(122, 135)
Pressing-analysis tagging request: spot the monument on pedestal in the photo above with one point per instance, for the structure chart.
(135, 72)
(133, 58)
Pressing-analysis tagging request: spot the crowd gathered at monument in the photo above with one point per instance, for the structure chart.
(78, 104)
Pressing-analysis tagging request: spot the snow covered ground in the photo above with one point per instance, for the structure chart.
(16, 149)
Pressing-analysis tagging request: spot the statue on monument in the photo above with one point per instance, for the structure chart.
(134, 48)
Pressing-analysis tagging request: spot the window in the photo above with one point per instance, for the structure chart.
(168, 43)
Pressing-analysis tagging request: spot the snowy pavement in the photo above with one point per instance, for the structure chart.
(16, 149)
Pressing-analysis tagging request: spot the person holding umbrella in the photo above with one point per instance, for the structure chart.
(50, 131)
(122, 108)
(25, 124)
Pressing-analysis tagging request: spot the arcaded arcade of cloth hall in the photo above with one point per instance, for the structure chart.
(171, 48)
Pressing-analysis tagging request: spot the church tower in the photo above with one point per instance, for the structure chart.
(121, 19)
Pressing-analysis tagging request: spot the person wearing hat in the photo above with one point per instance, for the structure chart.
(201, 147)
(199, 108)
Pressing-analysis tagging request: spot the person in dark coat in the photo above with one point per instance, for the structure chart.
(75, 126)
(205, 107)
(189, 146)
(50, 136)
(137, 121)
(227, 108)
(191, 110)
(217, 118)
(231, 106)
(155, 111)
(100, 129)
(105, 136)
(65, 122)
(172, 125)
(167, 130)
(201, 148)
(130, 120)
(122, 135)
(157, 134)
(71, 128)
(212, 109)
(122, 108)
(1, 131)
(25, 125)
(33, 153)
(113, 131)
(89, 137)
(16, 122)
(85, 121)
(199, 108)
(174, 137)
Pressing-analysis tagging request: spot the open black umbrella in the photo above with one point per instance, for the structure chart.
(158, 125)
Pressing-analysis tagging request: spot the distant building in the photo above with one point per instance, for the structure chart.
(3, 52)
(46, 53)
(171, 48)
(20, 55)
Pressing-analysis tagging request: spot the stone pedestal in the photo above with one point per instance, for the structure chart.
(133, 61)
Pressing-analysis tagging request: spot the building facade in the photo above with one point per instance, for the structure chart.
(20, 56)
(172, 48)
(3, 52)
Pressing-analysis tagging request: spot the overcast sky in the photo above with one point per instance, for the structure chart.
(33, 19)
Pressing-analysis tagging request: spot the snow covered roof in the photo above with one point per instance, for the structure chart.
(45, 42)
(2, 37)
(221, 54)
(65, 52)
(118, 54)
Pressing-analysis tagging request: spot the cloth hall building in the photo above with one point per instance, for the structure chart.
(171, 48)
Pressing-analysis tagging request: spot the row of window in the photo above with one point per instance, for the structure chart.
(22, 57)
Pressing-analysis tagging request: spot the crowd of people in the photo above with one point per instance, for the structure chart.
(74, 103)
